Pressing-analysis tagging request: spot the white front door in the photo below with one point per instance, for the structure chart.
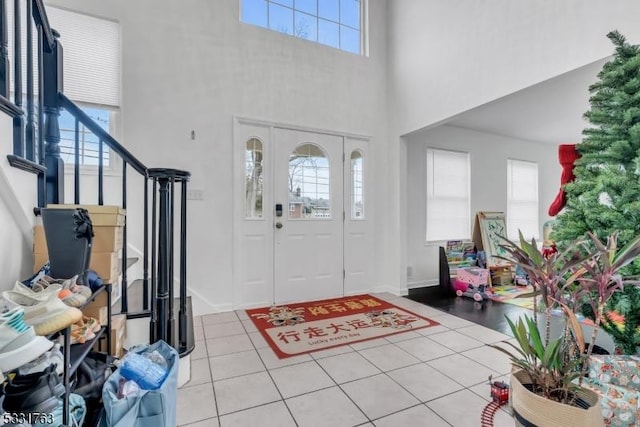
(308, 216)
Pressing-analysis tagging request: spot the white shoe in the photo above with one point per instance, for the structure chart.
(53, 356)
(37, 291)
(18, 341)
(46, 316)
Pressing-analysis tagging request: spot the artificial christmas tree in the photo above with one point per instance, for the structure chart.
(605, 195)
(623, 319)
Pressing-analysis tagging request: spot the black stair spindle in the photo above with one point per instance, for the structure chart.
(76, 166)
(124, 298)
(182, 326)
(30, 130)
(100, 173)
(40, 140)
(5, 67)
(170, 260)
(154, 307)
(145, 256)
(18, 122)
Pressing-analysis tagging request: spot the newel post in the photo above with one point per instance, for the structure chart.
(52, 79)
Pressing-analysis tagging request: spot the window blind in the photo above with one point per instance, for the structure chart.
(92, 58)
(448, 195)
(522, 199)
(91, 55)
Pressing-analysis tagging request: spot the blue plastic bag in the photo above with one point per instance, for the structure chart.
(148, 408)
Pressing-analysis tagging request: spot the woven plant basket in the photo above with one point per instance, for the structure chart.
(530, 409)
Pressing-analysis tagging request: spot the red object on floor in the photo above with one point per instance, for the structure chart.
(567, 154)
(299, 328)
(500, 396)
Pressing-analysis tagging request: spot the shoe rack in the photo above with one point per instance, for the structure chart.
(75, 354)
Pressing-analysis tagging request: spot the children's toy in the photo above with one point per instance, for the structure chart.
(499, 392)
(500, 396)
(478, 293)
(520, 278)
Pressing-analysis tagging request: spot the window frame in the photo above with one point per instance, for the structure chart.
(363, 23)
(352, 201)
(114, 168)
(466, 235)
(292, 174)
(263, 165)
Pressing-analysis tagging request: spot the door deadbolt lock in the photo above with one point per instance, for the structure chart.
(278, 225)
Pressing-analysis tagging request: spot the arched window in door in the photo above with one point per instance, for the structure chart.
(253, 179)
(309, 189)
(357, 185)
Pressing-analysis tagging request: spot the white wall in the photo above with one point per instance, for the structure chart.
(18, 197)
(448, 57)
(191, 65)
(489, 154)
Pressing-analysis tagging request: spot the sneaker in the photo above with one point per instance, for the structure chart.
(51, 357)
(35, 392)
(37, 291)
(46, 316)
(92, 324)
(73, 294)
(18, 341)
(81, 333)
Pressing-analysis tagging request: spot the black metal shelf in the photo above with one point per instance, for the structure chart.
(80, 351)
(94, 295)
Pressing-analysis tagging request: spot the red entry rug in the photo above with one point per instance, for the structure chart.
(300, 328)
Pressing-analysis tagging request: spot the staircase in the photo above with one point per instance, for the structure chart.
(159, 195)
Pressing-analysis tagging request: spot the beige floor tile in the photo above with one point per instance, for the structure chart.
(301, 378)
(328, 407)
(379, 396)
(416, 416)
(270, 415)
(195, 404)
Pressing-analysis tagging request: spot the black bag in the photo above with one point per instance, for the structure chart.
(90, 377)
(92, 374)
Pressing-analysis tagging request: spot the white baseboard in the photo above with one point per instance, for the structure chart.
(414, 284)
(395, 290)
(184, 370)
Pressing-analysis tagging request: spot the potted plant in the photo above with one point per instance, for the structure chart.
(621, 320)
(547, 376)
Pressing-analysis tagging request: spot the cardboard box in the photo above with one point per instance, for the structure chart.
(98, 313)
(106, 264)
(97, 308)
(118, 336)
(100, 215)
(105, 239)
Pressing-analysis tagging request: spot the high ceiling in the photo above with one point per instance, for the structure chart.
(548, 112)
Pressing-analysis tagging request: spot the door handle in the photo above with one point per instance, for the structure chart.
(278, 225)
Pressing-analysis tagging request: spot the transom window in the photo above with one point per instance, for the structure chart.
(335, 23)
(309, 195)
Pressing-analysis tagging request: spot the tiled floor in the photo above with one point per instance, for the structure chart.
(430, 377)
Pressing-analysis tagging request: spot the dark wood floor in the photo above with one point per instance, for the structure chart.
(487, 313)
(493, 314)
